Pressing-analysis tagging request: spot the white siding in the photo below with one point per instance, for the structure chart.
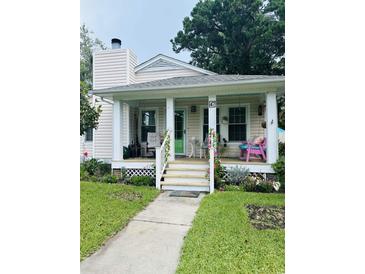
(86, 146)
(152, 75)
(103, 134)
(113, 67)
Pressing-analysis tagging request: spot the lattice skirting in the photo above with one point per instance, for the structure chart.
(140, 172)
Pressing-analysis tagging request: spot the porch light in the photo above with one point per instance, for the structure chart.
(193, 109)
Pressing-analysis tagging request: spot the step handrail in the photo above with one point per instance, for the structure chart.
(162, 156)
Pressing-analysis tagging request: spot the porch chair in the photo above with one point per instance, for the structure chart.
(204, 148)
(256, 147)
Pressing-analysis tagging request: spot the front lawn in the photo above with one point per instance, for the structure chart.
(106, 209)
(222, 240)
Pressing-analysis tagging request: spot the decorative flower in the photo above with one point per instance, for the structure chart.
(85, 154)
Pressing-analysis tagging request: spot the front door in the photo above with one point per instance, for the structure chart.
(180, 132)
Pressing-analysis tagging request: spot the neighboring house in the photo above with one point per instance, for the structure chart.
(165, 94)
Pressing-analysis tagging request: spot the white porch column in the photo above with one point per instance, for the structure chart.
(212, 109)
(117, 155)
(170, 125)
(272, 150)
(125, 128)
(212, 124)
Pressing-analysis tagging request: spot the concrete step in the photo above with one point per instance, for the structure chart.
(187, 165)
(176, 183)
(186, 171)
(185, 180)
(185, 188)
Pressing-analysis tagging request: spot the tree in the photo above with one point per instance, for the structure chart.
(235, 36)
(89, 114)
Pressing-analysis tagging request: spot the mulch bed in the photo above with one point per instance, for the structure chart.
(266, 217)
(128, 196)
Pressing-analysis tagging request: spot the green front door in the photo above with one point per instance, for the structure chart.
(179, 132)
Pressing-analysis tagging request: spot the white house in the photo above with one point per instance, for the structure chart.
(179, 102)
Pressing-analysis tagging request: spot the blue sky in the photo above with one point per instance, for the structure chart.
(145, 26)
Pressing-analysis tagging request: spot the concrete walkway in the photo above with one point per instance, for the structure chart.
(150, 243)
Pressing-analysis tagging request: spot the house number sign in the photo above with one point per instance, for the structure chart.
(212, 104)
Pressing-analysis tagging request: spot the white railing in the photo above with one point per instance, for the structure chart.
(162, 155)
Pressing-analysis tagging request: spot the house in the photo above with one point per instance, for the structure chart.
(178, 102)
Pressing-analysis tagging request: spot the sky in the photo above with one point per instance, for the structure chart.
(145, 26)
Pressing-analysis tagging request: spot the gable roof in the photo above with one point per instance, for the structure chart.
(194, 81)
(161, 61)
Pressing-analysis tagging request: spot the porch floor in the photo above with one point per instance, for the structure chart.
(185, 159)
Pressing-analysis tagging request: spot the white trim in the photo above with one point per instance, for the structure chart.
(170, 124)
(130, 164)
(140, 109)
(272, 147)
(248, 121)
(172, 60)
(116, 126)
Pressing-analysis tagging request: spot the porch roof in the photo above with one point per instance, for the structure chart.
(193, 82)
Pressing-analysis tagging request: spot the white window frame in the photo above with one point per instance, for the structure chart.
(140, 121)
(248, 120)
(202, 108)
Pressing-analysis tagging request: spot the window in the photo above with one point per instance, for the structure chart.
(237, 127)
(89, 134)
(206, 123)
(148, 123)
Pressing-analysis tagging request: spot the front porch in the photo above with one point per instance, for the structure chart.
(165, 123)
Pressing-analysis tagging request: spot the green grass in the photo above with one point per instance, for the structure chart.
(106, 209)
(222, 240)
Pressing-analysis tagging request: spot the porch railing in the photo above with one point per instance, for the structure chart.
(162, 155)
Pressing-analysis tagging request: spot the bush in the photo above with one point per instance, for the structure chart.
(219, 172)
(142, 181)
(95, 167)
(109, 179)
(279, 168)
(236, 175)
(249, 184)
(281, 149)
(233, 188)
(255, 183)
(104, 169)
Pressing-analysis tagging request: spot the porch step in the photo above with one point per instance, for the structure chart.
(188, 165)
(186, 171)
(186, 175)
(176, 183)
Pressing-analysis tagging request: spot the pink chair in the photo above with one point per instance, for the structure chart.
(253, 148)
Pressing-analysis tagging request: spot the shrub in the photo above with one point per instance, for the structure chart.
(219, 172)
(95, 167)
(91, 166)
(236, 175)
(255, 183)
(279, 168)
(281, 149)
(109, 179)
(104, 169)
(142, 181)
(233, 188)
(249, 184)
